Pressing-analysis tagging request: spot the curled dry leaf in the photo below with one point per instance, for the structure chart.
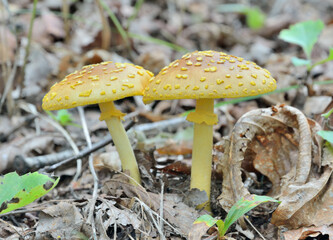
(283, 145)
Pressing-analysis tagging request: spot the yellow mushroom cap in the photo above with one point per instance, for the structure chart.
(209, 74)
(97, 83)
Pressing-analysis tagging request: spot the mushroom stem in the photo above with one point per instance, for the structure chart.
(112, 117)
(201, 170)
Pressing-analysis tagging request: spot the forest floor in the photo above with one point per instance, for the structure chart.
(282, 156)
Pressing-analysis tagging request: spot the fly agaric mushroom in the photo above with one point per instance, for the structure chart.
(102, 84)
(205, 75)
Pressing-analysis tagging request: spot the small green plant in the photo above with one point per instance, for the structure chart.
(255, 18)
(63, 117)
(17, 191)
(305, 34)
(327, 134)
(237, 210)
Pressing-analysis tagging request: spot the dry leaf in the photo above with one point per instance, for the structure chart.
(176, 148)
(108, 160)
(63, 220)
(178, 167)
(175, 211)
(8, 45)
(304, 233)
(283, 145)
(108, 216)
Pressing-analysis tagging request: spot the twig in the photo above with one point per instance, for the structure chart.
(151, 212)
(160, 125)
(27, 164)
(41, 207)
(257, 231)
(107, 140)
(161, 204)
(27, 48)
(106, 32)
(116, 22)
(137, 7)
(12, 227)
(65, 16)
(29, 108)
(69, 139)
(92, 170)
(8, 79)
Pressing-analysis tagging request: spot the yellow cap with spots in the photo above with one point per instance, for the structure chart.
(209, 74)
(97, 83)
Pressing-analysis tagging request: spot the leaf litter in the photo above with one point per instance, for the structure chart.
(280, 155)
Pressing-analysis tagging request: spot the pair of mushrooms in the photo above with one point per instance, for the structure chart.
(200, 75)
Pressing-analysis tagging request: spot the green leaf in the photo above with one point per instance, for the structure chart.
(220, 226)
(17, 191)
(255, 18)
(329, 58)
(328, 114)
(207, 219)
(243, 206)
(327, 135)
(64, 117)
(300, 62)
(304, 34)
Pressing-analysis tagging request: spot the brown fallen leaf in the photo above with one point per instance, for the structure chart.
(178, 214)
(108, 216)
(63, 220)
(283, 145)
(305, 232)
(178, 167)
(176, 148)
(8, 45)
(198, 230)
(108, 160)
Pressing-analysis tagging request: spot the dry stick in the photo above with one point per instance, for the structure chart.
(12, 227)
(27, 107)
(106, 33)
(92, 170)
(249, 222)
(151, 213)
(41, 207)
(70, 141)
(170, 123)
(7, 80)
(27, 48)
(107, 140)
(55, 161)
(161, 208)
(28, 164)
(65, 16)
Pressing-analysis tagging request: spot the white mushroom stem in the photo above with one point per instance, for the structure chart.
(203, 118)
(112, 117)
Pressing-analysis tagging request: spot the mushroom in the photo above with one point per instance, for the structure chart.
(204, 76)
(102, 84)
